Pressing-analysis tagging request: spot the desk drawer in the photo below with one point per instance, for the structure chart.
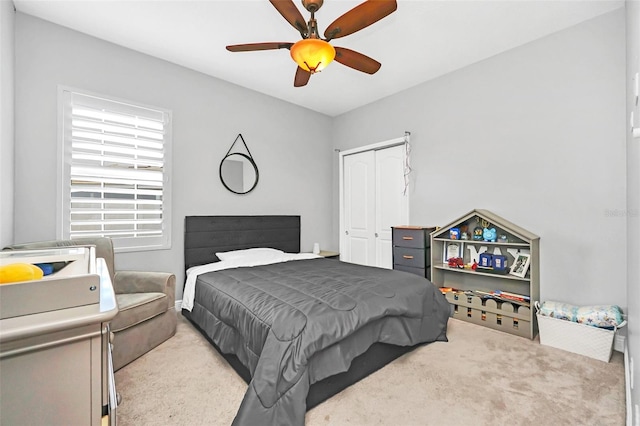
(409, 257)
(406, 237)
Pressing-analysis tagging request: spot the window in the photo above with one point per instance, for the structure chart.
(114, 171)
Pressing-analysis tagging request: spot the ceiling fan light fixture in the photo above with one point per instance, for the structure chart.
(312, 54)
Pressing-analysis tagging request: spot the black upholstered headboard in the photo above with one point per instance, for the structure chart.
(204, 236)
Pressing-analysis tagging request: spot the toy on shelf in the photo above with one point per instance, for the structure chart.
(499, 262)
(456, 262)
(477, 234)
(490, 235)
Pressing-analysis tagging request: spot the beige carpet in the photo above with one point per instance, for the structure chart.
(479, 377)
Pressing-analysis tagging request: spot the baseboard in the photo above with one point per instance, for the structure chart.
(179, 306)
(627, 382)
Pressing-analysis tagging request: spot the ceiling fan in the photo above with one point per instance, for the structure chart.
(313, 53)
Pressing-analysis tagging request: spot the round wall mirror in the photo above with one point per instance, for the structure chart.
(238, 173)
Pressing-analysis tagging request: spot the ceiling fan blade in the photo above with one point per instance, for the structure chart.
(359, 17)
(290, 12)
(302, 77)
(356, 60)
(249, 47)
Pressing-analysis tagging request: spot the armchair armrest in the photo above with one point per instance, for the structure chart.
(146, 282)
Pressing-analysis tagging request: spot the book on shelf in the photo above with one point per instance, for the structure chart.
(503, 296)
(498, 295)
(514, 296)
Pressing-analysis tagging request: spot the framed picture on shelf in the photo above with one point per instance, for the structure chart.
(452, 250)
(520, 265)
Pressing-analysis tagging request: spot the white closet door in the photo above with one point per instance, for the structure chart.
(392, 208)
(374, 201)
(359, 208)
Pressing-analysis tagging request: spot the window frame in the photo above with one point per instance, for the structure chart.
(63, 208)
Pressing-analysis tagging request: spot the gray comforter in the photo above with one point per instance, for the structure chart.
(295, 323)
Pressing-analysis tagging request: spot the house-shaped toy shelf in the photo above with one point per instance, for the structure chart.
(494, 296)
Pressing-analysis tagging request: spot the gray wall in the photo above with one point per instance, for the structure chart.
(208, 114)
(537, 136)
(633, 198)
(7, 49)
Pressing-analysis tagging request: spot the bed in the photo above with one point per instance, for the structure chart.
(300, 328)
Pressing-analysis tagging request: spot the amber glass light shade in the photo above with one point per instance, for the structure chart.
(312, 54)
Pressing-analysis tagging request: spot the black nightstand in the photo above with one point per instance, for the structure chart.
(412, 249)
(329, 254)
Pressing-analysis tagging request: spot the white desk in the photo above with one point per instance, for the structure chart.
(54, 365)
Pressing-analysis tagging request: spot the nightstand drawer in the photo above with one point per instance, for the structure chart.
(416, 271)
(407, 237)
(413, 257)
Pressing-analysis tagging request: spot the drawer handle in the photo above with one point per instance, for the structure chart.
(406, 256)
(407, 238)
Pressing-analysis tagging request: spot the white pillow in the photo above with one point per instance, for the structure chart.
(252, 253)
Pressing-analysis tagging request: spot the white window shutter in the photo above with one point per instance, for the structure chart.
(115, 171)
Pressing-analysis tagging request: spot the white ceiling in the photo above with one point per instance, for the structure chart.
(420, 41)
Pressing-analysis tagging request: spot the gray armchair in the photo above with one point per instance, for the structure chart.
(146, 302)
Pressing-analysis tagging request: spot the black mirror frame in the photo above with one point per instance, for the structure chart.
(255, 167)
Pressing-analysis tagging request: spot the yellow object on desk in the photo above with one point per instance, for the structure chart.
(16, 272)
